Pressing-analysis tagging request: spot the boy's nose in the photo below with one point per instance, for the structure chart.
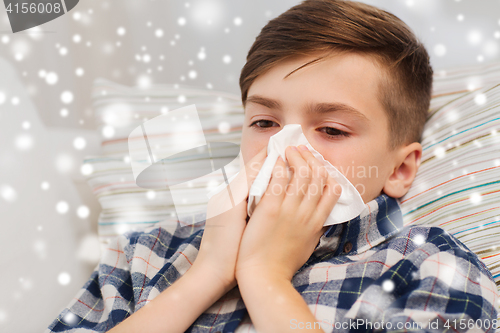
(305, 129)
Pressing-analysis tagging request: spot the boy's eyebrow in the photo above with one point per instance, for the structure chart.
(313, 108)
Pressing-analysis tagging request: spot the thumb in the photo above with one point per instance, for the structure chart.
(253, 166)
(241, 184)
(236, 193)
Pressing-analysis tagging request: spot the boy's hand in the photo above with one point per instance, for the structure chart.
(288, 221)
(225, 224)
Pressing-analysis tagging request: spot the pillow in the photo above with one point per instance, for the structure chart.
(457, 186)
(118, 110)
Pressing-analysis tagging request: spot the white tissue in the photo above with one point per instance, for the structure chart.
(350, 203)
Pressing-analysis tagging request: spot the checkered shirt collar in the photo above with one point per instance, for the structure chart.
(380, 220)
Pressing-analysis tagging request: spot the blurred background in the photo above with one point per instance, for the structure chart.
(48, 242)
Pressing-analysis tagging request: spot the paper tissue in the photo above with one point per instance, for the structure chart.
(350, 203)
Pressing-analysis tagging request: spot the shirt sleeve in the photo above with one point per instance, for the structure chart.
(106, 299)
(440, 286)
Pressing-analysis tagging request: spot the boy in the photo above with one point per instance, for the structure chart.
(359, 83)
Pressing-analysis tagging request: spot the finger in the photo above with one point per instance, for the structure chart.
(275, 192)
(329, 199)
(313, 162)
(300, 180)
(253, 167)
(240, 185)
(318, 181)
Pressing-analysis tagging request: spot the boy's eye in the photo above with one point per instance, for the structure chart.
(330, 132)
(262, 122)
(334, 132)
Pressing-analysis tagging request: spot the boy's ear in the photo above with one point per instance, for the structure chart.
(407, 161)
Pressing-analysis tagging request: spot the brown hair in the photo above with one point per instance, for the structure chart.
(337, 26)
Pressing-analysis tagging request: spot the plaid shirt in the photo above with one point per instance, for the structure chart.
(366, 274)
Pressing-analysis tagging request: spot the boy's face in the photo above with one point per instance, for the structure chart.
(348, 81)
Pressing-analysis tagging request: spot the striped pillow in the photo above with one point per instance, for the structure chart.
(120, 109)
(457, 186)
